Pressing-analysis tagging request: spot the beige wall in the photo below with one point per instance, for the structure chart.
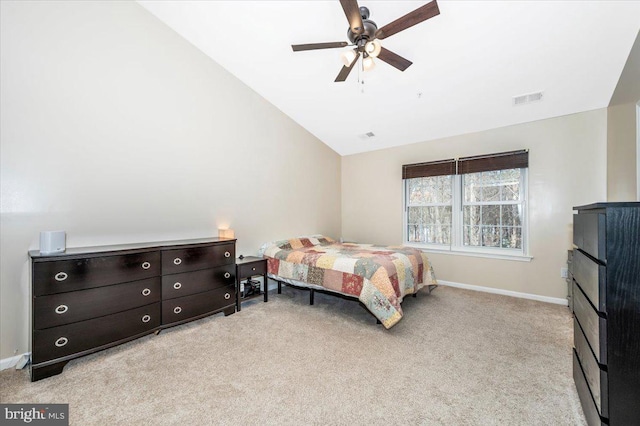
(567, 167)
(116, 130)
(621, 152)
(623, 158)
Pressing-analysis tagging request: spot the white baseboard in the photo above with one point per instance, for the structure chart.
(11, 362)
(554, 300)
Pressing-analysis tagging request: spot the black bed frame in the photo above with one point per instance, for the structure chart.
(312, 292)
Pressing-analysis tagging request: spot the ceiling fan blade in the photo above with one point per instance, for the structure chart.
(352, 11)
(344, 72)
(394, 59)
(422, 13)
(314, 46)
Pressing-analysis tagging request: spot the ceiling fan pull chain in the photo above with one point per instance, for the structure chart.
(361, 75)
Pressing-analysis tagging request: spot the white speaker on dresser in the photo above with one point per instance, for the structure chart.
(52, 242)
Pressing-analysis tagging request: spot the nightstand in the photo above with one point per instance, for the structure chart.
(247, 268)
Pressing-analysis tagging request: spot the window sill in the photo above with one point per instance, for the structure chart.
(468, 253)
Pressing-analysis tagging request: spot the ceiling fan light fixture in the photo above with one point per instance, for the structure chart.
(347, 57)
(373, 48)
(368, 63)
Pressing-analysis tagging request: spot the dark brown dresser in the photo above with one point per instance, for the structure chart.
(606, 307)
(93, 298)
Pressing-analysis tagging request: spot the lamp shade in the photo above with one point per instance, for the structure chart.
(347, 57)
(368, 64)
(226, 233)
(373, 48)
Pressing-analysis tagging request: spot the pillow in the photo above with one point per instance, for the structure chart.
(298, 242)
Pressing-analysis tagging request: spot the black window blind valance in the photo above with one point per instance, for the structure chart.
(433, 168)
(500, 161)
(475, 164)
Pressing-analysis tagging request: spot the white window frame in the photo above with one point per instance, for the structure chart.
(456, 246)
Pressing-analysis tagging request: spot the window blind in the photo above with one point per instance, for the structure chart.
(479, 163)
(433, 168)
(500, 161)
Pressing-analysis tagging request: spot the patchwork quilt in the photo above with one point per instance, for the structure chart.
(378, 276)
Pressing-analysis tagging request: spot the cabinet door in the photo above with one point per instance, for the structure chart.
(595, 376)
(82, 273)
(589, 234)
(194, 258)
(66, 308)
(593, 325)
(187, 283)
(254, 268)
(588, 406)
(183, 308)
(58, 342)
(592, 277)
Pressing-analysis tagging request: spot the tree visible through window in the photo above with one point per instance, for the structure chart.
(492, 209)
(429, 209)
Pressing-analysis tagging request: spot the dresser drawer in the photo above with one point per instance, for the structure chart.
(58, 342)
(253, 268)
(183, 308)
(591, 276)
(595, 376)
(194, 258)
(589, 232)
(593, 326)
(70, 275)
(588, 406)
(67, 308)
(178, 285)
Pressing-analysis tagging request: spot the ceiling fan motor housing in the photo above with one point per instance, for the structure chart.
(368, 32)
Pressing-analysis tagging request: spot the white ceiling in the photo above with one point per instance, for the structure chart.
(468, 63)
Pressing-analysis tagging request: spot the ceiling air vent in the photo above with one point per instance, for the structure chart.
(367, 135)
(525, 99)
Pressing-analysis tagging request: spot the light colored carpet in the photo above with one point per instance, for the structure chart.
(456, 358)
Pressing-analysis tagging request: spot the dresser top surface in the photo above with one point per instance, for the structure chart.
(74, 251)
(603, 205)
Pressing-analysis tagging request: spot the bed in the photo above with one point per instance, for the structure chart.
(379, 277)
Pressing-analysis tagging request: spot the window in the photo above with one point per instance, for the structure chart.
(429, 209)
(473, 204)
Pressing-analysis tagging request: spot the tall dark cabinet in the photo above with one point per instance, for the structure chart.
(606, 307)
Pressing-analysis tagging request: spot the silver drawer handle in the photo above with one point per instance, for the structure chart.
(146, 265)
(177, 286)
(62, 309)
(61, 342)
(227, 296)
(61, 276)
(227, 254)
(146, 318)
(253, 269)
(227, 275)
(177, 261)
(146, 292)
(177, 310)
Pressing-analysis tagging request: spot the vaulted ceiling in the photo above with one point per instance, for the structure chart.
(469, 63)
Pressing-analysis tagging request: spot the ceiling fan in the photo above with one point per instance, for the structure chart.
(365, 35)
